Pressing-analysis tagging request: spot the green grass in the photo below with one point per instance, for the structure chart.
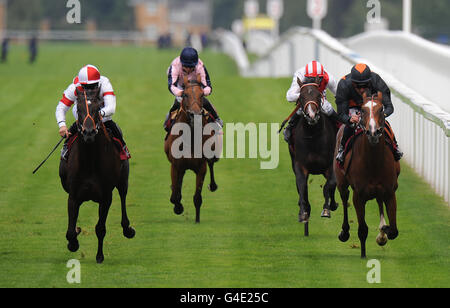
(248, 236)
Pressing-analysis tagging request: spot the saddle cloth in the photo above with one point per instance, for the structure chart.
(388, 136)
(123, 154)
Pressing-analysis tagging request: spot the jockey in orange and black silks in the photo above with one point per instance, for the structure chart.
(308, 74)
(349, 100)
(189, 64)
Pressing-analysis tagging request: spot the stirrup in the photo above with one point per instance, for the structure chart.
(64, 152)
(287, 134)
(340, 155)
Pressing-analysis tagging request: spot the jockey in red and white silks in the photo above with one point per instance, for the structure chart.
(308, 74)
(89, 77)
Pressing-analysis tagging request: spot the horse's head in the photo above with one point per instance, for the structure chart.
(372, 117)
(310, 100)
(88, 109)
(192, 102)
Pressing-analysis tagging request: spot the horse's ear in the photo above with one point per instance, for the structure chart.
(185, 79)
(364, 96)
(199, 79)
(300, 83)
(380, 95)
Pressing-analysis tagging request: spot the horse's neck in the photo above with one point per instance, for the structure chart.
(312, 129)
(373, 154)
(91, 153)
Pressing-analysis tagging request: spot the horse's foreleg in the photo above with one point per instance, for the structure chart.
(128, 231)
(381, 237)
(328, 193)
(73, 208)
(363, 230)
(198, 191)
(100, 228)
(302, 188)
(391, 207)
(212, 186)
(177, 182)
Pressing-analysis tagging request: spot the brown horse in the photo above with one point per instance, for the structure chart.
(370, 169)
(92, 171)
(191, 111)
(312, 153)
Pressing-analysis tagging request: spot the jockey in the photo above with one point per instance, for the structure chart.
(188, 63)
(88, 78)
(308, 74)
(349, 100)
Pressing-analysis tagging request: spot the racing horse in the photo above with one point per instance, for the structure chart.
(372, 172)
(191, 109)
(314, 139)
(92, 171)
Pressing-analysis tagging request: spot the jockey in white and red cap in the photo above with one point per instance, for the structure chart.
(308, 74)
(189, 64)
(88, 78)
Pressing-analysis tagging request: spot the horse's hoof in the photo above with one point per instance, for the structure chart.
(212, 187)
(382, 239)
(334, 206)
(73, 246)
(391, 234)
(325, 213)
(344, 236)
(100, 259)
(129, 232)
(303, 218)
(178, 209)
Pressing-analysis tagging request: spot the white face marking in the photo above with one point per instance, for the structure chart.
(310, 111)
(372, 123)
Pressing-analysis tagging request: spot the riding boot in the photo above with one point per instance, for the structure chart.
(117, 133)
(65, 148)
(398, 154)
(348, 131)
(288, 130)
(175, 106)
(210, 108)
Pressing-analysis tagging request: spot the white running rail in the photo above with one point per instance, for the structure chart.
(421, 127)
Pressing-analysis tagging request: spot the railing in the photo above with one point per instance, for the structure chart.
(421, 127)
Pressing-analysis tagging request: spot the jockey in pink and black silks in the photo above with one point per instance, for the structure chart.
(88, 78)
(189, 64)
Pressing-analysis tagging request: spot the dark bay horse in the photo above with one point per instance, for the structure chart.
(92, 171)
(370, 169)
(190, 110)
(312, 153)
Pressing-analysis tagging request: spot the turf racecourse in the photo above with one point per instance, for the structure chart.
(248, 236)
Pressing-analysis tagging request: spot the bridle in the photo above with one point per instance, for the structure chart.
(191, 85)
(90, 117)
(311, 102)
(379, 131)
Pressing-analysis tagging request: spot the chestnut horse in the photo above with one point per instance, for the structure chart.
(312, 153)
(190, 110)
(92, 171)
(370, 169)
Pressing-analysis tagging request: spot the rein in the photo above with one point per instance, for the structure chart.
(312, 102)
(93, 121)
(87, 110)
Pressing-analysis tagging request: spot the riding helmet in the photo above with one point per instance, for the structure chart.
(189, 57)
(361, 73)
(89, 74)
